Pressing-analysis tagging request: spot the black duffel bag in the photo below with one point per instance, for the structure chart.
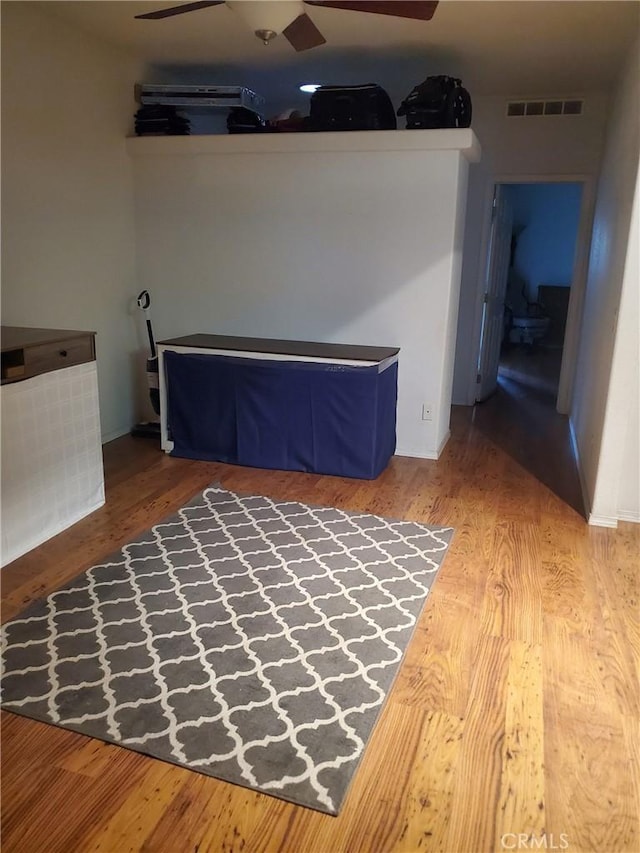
(244, 120)
(363, 107)
(438, 102)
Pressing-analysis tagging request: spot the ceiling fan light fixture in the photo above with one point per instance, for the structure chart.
(266, 36)
(273, 15)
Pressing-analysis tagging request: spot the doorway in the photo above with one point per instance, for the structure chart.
(532, 296)
(531, 267)
(545, 221)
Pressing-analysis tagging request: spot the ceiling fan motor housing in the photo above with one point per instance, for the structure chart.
(266, 36)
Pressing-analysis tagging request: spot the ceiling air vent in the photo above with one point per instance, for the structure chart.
(555, 107)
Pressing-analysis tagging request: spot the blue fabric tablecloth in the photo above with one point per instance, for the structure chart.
(320, 417)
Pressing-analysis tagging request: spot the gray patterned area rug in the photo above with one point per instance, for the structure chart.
(249, 639)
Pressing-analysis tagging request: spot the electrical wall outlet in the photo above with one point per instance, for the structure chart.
(427, 412)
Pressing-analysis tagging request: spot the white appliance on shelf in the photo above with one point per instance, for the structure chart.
(199, 96)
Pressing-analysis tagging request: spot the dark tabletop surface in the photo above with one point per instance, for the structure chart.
(308, 349)
(16, 337)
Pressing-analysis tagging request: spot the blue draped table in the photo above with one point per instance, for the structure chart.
(289, 405)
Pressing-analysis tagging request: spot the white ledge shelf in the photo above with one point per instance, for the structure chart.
(463, 140)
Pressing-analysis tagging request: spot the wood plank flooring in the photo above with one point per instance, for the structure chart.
(513, 724)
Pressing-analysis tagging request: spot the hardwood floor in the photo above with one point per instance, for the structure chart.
(534, 366)
(513, 724)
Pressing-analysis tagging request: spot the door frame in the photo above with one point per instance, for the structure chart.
(580, 270)
(499, 251)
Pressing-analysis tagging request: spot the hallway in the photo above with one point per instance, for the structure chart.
(535, 367)
(521, 419)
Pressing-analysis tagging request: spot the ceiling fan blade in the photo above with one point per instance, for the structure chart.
(303, 34)
(179, 10)
(418, 10)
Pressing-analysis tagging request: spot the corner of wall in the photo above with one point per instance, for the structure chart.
(68, 191)
(606, 388)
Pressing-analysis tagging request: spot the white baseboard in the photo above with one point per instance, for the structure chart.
(413, 454)
(629, 515)
(602, 520)
(443, 443)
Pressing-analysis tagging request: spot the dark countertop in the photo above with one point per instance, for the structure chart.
(16, 337)
(307, 349)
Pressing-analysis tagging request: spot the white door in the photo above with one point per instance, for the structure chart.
(494, 293)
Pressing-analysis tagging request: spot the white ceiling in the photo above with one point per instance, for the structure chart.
(511, 47)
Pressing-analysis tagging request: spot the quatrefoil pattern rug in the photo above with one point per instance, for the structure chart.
(249, 639)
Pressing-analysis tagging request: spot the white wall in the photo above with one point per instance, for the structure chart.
(624, 393)
(605, 409)
(517, 148)
(546, 219)
(68, 258)
(343, 245)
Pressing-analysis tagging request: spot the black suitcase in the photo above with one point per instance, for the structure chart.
(363, 107)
